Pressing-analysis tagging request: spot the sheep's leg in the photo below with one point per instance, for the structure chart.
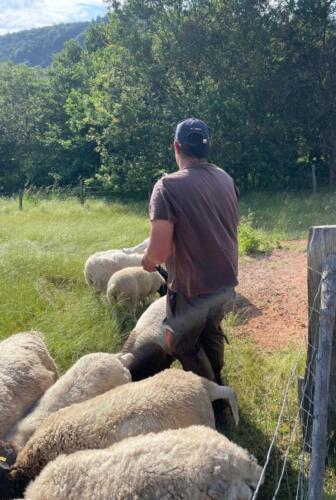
(224, 392)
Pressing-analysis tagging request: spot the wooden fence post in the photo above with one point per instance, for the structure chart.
(81, 191)
(314, 183)
(21, 193)
(321, 244)
(322, 378)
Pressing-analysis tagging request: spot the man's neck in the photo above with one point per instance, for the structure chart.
(191, 162)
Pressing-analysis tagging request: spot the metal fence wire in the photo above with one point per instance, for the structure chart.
(300, 432)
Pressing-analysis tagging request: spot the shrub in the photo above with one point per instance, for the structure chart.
(253, 240)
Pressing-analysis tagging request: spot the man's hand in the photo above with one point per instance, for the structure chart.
(160, 244)
(147, 264)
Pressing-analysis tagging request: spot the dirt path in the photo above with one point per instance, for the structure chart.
(272, 297)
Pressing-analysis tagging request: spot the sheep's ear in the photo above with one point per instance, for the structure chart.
(127, 359)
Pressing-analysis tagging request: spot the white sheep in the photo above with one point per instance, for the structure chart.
(131, 285)
(169, 400)
(26, 372)
(146, 344)
(196, 463)
(100, 266)
(90, 376)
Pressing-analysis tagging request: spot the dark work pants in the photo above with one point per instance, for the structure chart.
(192, 331)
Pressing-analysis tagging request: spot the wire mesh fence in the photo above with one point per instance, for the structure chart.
(82, 193)
(300, 425)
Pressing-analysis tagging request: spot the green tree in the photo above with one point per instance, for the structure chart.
(23, 122)
(306, 80)
(71, 154)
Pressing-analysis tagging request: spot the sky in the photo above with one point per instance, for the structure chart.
(16, 15)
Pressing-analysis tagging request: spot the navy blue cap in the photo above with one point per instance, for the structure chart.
(192, 132)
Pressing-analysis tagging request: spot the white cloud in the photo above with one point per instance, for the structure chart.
(17, 15)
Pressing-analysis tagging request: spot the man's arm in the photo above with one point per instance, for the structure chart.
(160, 244)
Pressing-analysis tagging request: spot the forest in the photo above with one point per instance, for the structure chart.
(36, 47)
(261, 74)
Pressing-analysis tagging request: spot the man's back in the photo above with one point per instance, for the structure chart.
(201, 201)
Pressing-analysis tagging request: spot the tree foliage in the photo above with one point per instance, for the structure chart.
(261, 74)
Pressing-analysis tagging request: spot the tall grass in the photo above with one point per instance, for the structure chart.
(42, 254)
(289, 215)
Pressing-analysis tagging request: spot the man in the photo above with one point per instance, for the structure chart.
(194, 218)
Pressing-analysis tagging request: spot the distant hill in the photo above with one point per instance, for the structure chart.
(36, 47)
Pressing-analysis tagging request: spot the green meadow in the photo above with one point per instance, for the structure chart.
(43, 249)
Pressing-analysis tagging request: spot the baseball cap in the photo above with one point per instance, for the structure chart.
(192, 132)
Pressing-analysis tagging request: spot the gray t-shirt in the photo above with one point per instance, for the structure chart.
(201, 201)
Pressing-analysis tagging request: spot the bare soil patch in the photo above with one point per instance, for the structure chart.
(272, 297)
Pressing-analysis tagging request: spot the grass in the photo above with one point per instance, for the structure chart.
(42, 254)
(288, 216)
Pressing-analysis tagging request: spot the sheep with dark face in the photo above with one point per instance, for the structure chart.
(145, 343)
(26, 372)
(196, 463)
(90, 376)
(170, 400)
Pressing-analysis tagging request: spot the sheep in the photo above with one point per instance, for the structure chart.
(195, 463)
(145, 343)
(26, 372)
(140, 248)
(132, 285)
(100, 266)
(169, 400)
(92, 375)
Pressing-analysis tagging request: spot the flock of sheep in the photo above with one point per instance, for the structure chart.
(115, 426)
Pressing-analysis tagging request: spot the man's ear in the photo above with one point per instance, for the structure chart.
(177, 147)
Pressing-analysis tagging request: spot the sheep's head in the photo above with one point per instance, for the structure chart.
(149, 360)
(11, 486)
(8, 453)
(13, 482)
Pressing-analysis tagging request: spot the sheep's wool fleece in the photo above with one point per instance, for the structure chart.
(100, 266)
(148, 327)
(196, 463)
(146, 343)
(170, 400)
(133, 283)
(26, 372)
(92, 375)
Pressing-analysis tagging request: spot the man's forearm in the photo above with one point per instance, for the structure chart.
(147, 263)
(156, 256)
(160, 244)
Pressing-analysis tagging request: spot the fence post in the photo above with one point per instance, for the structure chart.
(322, 378)
(314, 183)
(81, 191)
(321, 244)
(21, 193)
